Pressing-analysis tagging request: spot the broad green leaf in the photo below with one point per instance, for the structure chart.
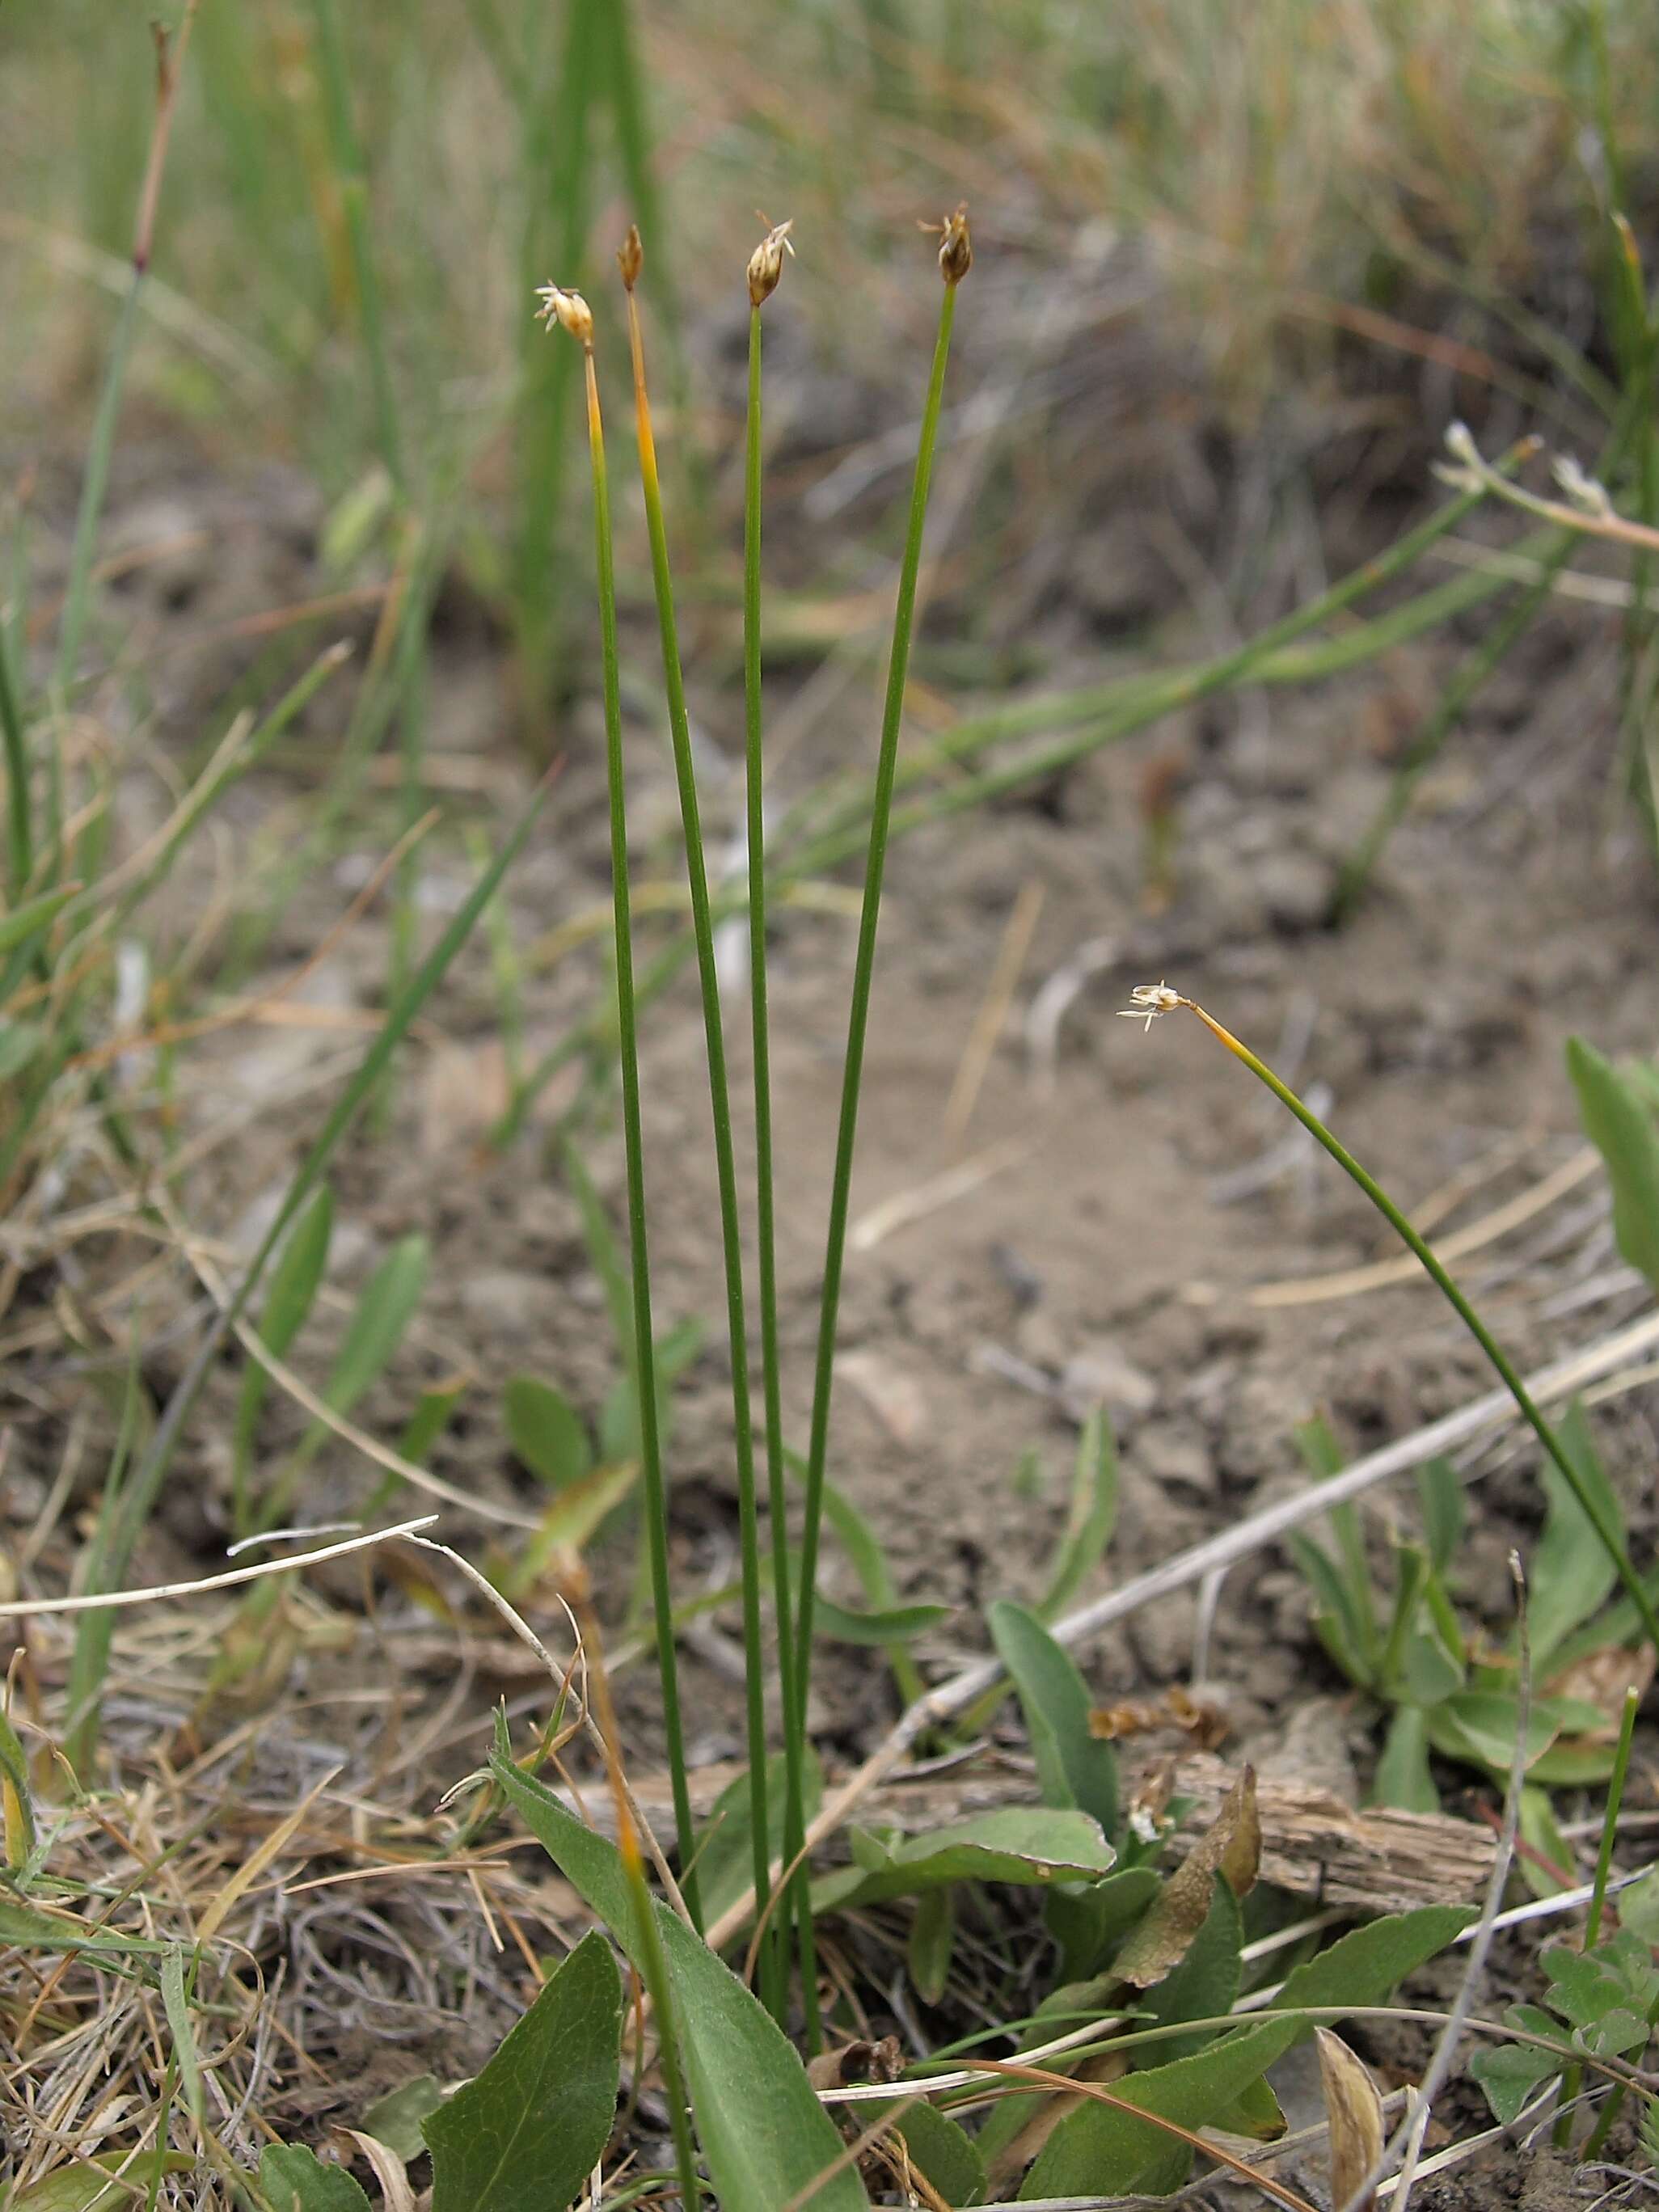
(1638, 1906)
(86, 2187)
(1402, 1772)
(1092, 1519)
(1256, 2114)
(1440, 1490)
(395, 2118)
(547, 1434)
(1074, 1767)
(1205, 1984)
(1571, 1573)
(1086, 1921)
(1480, 1727)
(1024, 1844)
(525, 2134)
(1509, 2073)
(1099, 2150)
(938, 2147)
(294, 2179)
(1324, 1458)
(932, 1938)
(1427, 1671)
(1621, 1128)
(295, 1281)
(764, 2132)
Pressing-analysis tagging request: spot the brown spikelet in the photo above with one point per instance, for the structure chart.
(631, 256)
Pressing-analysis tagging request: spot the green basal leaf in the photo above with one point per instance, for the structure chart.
(1088, 1920)
(1099, 2150)
(898, 1624)
(1336, 1623)
(1428, 1672)
(1619, 1124)
(1402, 1772)
(1571, 1574)
(546, 1433)
(1024, 1844)
(293, 2179)
(933, 1939)
(1547, 1844)
(619, 1422)
(30, 1930)
(1074, 1767)
(725, 1855)
(1479, 1726)
(395, 2119)
(938, 2147)
(1092, 1517)
(1205, 1984)
(764, 2132)
(526, 2133)
(1510, 2073)
(1440, 1491)
(86, 2187)
(295, 1280)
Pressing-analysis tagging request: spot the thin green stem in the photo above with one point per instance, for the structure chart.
(645, 1357)
(719, 1099)
(1570, 2085)
(20, 821)
(1612, 1542)
(858, 1016)
(794, 1818)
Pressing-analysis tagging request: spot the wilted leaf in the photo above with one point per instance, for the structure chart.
(1231, 1848)
(1074, 1767)
(1205, 1984)
(16, 1798)
(296, 2181)
(1353, 2108)
(524, 2135)
(764, 2132)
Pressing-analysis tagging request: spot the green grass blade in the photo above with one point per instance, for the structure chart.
(20, 810)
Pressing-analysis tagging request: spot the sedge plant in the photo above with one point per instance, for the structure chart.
(956, 258)
(573, 316)
(1152, 1000)
(631, 260)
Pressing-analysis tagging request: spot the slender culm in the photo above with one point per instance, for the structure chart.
(572, 313)
(765, 267)
(630, 260)
(956, 258)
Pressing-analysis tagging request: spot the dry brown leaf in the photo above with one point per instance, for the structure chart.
(855, 2063)
(1604, 1679)
(1353, 2107)
(1232, 1849)
(388, 2170)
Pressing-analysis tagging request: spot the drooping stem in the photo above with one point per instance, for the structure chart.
(645, 1357)
(719, 1095)
(1610, 1539)
(858, 1015)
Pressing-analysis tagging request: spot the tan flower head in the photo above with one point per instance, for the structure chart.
(1151, 1000)
(569, 310)
(955, 247)
(766, 262)
(631, 256)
